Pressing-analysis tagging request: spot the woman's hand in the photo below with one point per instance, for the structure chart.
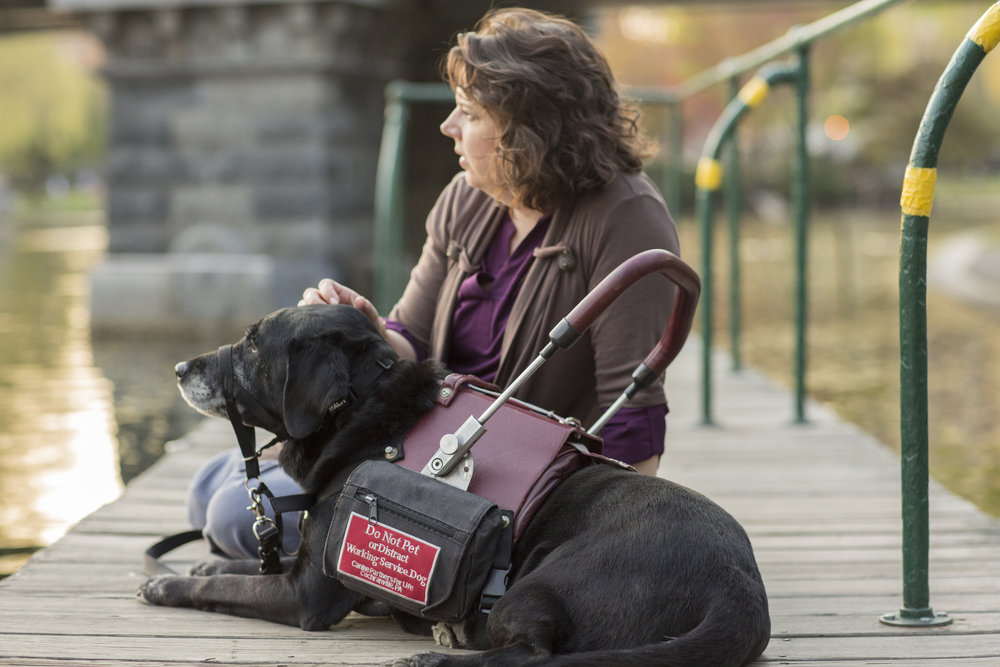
(332, 292)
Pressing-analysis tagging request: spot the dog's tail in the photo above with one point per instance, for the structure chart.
(720, 640)
(689, 650)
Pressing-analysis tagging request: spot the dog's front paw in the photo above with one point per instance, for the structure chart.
(163, 591)
(225, 566)
(420, 660)
(208, 568)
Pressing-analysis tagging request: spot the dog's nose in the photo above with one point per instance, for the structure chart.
(181, 369)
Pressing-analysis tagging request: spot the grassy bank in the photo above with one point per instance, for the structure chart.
(853, 345)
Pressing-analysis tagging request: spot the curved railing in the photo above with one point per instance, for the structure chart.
(708, 179)
(916, 201)
(796, 42)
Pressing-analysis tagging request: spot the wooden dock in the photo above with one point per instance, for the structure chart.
(820, 501)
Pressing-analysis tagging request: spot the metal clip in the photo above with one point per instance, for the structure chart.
(255, 505)
(264, 527)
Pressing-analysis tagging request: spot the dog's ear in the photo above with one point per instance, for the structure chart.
(318, 376)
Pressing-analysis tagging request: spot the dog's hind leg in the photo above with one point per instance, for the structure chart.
(525, 631)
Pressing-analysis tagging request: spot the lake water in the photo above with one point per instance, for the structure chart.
(78, 417)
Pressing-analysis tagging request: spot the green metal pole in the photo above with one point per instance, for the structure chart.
(704, 215)
(916, 202)
(733, 206)
(916, 608)
(708, 179)
(801, 230)
(391, 272)
(390, 186)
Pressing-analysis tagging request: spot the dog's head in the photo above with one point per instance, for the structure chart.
(298, 364)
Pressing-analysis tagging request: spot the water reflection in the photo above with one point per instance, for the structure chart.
(76, 418)
(58, 454)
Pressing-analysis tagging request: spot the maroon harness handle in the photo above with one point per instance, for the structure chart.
(616, 282)
(681, 317)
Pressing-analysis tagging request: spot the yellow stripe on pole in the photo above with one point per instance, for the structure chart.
(754, 92)
(986, 32)
(709, 174)
(918, 190)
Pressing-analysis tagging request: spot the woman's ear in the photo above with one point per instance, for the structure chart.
(318, 375)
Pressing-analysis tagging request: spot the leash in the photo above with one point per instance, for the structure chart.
(268, 531)
(151, 566)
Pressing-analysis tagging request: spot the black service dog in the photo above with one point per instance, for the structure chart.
(616, 568)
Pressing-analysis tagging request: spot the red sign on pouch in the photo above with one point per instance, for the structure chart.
(388, 558)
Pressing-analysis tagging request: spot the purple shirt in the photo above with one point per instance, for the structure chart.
(484, 304)
(486, 299)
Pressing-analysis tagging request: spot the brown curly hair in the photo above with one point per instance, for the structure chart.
(564, 128)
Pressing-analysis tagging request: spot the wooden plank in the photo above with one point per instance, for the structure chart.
(863, 624)
(915, 647)
(149, 620)
(264, 650)
(876, 604)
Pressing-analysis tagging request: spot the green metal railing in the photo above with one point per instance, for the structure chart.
(708, 180)
(916, 202)
(797, 43)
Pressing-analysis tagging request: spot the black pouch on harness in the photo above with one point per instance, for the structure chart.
(412, 541)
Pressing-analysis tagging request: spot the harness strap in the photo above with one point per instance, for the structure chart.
(231, 389)
(293, 502)
(496, 582)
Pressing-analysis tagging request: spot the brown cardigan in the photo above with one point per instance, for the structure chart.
(584, 242)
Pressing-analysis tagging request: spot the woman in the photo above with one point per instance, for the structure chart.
(551, 198)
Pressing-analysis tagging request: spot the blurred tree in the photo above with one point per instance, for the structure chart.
(878, 75)
(52, 117)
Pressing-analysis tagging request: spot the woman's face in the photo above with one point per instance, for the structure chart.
(476, 135)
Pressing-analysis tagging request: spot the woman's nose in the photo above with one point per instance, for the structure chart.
(181, 369)
(449, 128)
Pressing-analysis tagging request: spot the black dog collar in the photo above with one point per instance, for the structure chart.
(364, 381)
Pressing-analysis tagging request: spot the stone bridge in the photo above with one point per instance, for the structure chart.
(243, 142)
(244, 137)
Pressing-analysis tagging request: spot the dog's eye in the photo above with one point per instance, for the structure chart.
(251, 338)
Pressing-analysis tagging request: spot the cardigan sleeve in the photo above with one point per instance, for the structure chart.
(631, 326)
